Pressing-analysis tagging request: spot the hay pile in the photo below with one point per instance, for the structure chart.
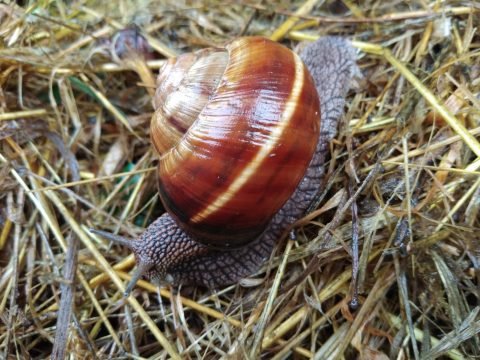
(71, 92)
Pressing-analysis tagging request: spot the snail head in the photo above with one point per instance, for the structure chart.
(150, 254)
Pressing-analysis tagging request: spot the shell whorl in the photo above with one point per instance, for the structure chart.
(235, 144)
(184, 86)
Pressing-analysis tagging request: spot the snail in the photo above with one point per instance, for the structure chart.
(241, 158)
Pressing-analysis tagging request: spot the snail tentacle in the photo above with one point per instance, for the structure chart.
(129, 243)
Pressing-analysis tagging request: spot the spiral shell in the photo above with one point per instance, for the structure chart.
(236, 129)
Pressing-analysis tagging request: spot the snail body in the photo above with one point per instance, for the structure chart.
(241, 150)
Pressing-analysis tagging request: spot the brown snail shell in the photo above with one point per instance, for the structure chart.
(236, 129)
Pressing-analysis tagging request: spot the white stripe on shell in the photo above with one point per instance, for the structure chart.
(250, 170)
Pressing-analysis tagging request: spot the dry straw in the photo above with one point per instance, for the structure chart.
(75, 154)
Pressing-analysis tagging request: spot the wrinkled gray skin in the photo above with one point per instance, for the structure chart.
(166, 254)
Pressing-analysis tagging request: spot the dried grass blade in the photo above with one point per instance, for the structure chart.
(295, 341)
(262, 323)
(367, 309)
(458, 204)
(471, 142)
(403, 294)
(106, 266)
(23, 114)
(329, 349)
(456, 306)
(291, 21)
(95, 180)
(466, 330)
(185, 301)
(330, 290)
(90, 90)
(99, 309)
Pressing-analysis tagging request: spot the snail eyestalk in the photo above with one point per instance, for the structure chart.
(113, 237)
(141, 269)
